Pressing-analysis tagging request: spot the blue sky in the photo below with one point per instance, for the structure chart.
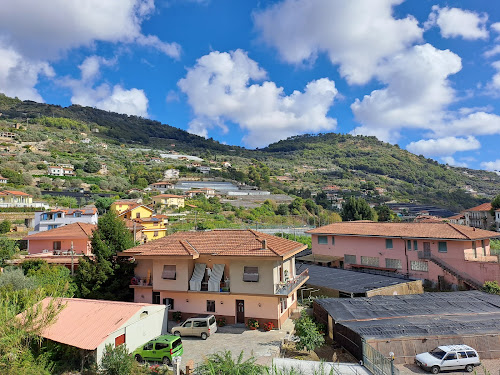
(419, 73)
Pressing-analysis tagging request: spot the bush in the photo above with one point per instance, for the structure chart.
(224, 364)
(268, 326)
(221, 322)
(177, 316)
(116, 361)
(491, 287)
(308, 333)
(252, 323)
(5, 226)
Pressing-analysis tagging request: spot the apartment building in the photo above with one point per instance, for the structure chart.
(59, 217)
(480, 217)
(439, 252)
(235, 274)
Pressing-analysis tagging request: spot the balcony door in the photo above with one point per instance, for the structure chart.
(427, 249)
(240, 311)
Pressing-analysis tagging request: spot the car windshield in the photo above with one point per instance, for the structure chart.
(438, 353)
(176, 343)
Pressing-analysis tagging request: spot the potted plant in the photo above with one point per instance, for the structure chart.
(252, 324)
(177, 315)
(268, 326)
(221, 322)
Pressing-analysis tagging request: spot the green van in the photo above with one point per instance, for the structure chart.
(161, 349)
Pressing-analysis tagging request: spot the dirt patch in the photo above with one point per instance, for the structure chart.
(328, 352)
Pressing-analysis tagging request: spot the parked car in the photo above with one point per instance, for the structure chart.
(448, 357)
(201, 326)
(161, 349)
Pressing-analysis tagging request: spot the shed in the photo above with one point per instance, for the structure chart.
(336, 282)
(410, 324)
(92, 324)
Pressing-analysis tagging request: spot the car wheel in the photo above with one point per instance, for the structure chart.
(469, 368)
(177, 333)
(138, 358)
(204, 336)
(435, 369)
(166, 361)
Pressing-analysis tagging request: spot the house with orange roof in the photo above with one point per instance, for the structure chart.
(480, 216)
(442, 253)
(169, 200)
(75, 237)
(161, 186)
(457, 219)
(152, 226)
(234, 274)
(3, 180)
(14, 198)
(90, 325)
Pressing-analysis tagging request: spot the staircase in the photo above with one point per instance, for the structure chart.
(460, 275)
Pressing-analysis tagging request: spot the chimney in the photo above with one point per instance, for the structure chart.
(264, 244)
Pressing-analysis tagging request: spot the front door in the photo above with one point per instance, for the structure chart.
(240, 311)
(427, 249)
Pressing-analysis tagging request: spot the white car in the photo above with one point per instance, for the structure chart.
(448, 357)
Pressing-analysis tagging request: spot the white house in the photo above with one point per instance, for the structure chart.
(203, 169)
(60, 170)
(61, 217)
(92, 324)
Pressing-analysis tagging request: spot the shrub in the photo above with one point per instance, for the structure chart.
(177, 315)
(491, 287)
(224, 364)
(5, 226)
(268, 326)
(221, 322)
(308, 333)
(116, 361)
(253, 323)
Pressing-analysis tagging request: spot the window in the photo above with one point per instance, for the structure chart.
(416, 265)
(283, 304)
(322, 240)
(370, 261)
(333, 240)
(148, 346)
(415, 245)
(78, 214)
(442, 247)
(210, 307)
(188, 324)
(471, 354)
(409, 244)
(138, 215)
(388, 243)
(393, 263)
(484, 247)
(251, 274)
(450, 356)
(202, 323)
(293, 297)
(349, 259)
(169, 272)
(156, 298)
(169, 302)
(155, 233)
(461, 355)
(161, 345)
(56, 245)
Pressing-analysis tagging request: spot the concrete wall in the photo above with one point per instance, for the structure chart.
(266, 283)
(139, 329)
(80, 246)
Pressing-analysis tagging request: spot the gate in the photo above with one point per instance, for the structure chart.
(376, 362)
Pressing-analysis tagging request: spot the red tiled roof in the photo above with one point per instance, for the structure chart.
(70, 231)
(86, 323)
(168, 196)
(456, 217)
(405, 230)
(481, 207)
(15, 192)
(219, 242)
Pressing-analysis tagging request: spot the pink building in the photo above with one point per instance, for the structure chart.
(76, 237)
(439, 252)
(235, 274)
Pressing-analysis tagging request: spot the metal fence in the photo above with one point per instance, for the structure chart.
(376, 362)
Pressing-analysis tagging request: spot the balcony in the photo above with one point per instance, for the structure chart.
(285, 288)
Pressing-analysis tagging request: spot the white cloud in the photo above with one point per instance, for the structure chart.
(19, 76)
(492, 52)
(491, 165)
(443, 146)
(416, 95)
(456, 22)
(115, 99)
(495, 81)
(51, 27)
(356, 34)
(450, 160)
(221, 88)
(477, 123)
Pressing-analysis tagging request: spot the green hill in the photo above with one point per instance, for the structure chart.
(358, 164)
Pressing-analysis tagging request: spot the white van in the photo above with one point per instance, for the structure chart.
(201, 326)
(448, 357)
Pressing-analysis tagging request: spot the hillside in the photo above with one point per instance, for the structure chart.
(357, 164)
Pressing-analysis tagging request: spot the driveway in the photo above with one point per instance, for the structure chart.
(259, 344)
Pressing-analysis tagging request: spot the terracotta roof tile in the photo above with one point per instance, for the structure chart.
(481, 207)
(219, 242)
(70, 231)
(406, 230)
(16, 192)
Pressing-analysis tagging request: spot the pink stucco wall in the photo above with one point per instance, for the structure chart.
(459, 255)
(80, 246)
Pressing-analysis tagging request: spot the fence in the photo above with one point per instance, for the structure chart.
(376, 362)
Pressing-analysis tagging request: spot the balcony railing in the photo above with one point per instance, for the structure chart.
(286, 288)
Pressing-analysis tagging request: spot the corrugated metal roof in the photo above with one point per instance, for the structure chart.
(348, 281)
(86, 323)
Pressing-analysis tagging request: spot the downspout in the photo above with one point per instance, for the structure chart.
(406, 255)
